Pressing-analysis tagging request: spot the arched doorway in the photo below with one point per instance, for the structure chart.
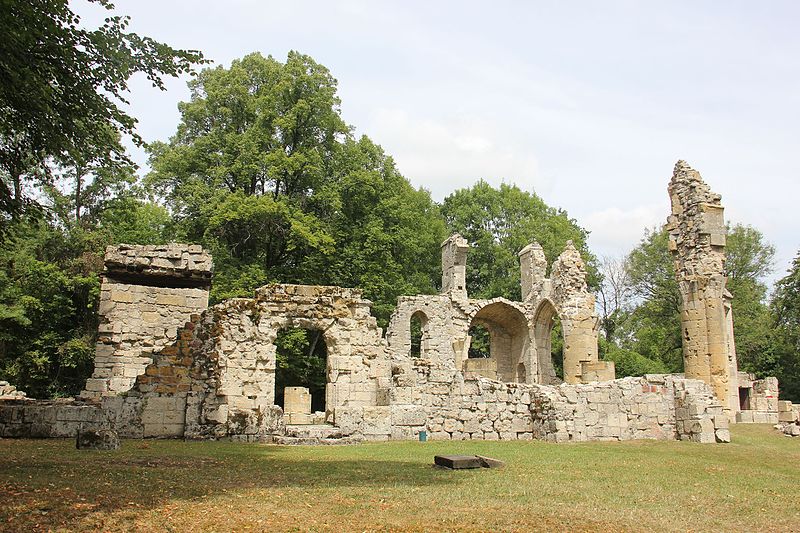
(418, 326)
(549, 354)
(509, 339)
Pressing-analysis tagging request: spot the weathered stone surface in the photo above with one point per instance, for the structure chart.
(488, 462)
(697, 241)
(97, 439)
(457, 462)
(147, 294)
(10, 392)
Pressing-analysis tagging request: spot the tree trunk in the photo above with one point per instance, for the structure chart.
(78, 185)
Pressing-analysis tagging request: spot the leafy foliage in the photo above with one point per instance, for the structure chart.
(264, 172)
(498, 223)
(784, 360)
(301, 356)
(651, 329)
(61, 86)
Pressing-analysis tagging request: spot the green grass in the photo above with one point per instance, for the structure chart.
(751, 484)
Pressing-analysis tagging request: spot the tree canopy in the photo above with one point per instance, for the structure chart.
(61, 87)
(265, 173)
(649, 325)
(498, 223)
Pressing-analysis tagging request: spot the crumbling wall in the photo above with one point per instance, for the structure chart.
(449, 407)
(576, 308)
(146, 294)
(697, 241)
(520, 331)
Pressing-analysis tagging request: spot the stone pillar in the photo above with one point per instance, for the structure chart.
(533, 270)
(297, 405)
(733, 364)
(454, 266)
(146, 294)
(576, 308)
(697, 242)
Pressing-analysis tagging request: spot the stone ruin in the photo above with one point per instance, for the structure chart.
(147, 294)
(168, 366)
(697, 238)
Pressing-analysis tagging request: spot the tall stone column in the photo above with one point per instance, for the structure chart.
(454, 266)
(697, 242)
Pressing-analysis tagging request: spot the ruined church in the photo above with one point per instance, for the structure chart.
(169, 366)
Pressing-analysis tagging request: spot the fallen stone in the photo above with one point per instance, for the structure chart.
(100, 439)
(457, 462)
(488, 462)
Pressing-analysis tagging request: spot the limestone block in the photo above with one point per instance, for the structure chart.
(408, 416)
(296, 400)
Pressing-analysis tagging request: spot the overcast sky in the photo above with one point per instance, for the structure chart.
(589, 104)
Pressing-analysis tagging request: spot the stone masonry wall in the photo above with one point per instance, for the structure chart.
(147, 293)
(449, 407)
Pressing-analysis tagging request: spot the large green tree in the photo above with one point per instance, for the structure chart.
(49, 277)
(61, 90)
(785, 358)
(264, 171)
(499, 222)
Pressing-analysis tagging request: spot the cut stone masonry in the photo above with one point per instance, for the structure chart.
(166, 366)
(146, 294)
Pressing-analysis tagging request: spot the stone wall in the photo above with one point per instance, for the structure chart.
(520, 349)
(147, 293)
(48, 419)
(450, 407)
(758, 399)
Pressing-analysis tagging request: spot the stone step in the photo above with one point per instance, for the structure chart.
(317, 431)
(315, 441)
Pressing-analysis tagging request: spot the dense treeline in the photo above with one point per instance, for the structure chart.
(264, 172)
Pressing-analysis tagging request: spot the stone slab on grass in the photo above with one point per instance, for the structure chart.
(463, 462)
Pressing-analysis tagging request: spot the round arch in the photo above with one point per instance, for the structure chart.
(543, 322)
(509, 338)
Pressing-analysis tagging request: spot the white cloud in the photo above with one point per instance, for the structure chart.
(446, 154)
(616, 231)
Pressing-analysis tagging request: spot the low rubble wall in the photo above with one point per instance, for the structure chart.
(652, 407)
(451, 408)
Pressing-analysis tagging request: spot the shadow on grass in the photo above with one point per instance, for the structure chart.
(47, 484)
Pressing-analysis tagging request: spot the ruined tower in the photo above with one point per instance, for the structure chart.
(697, 242)
(147, 293)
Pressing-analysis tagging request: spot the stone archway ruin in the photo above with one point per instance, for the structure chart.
(510, 340)
(543, 322)
(215, 377)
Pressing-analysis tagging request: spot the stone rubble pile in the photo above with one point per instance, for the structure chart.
(10, 392)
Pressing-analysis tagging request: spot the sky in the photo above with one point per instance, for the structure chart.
(588, 104)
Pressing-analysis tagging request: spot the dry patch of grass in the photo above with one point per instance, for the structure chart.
(751, 484)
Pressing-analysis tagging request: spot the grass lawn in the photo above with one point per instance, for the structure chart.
(751, 484)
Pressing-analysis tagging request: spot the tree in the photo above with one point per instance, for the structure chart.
(653, 327)
(265, 173)
(785, 360)
(61, 86)
(614, 295)
(498, 223)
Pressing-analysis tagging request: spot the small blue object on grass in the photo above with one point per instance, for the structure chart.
(423, 436)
